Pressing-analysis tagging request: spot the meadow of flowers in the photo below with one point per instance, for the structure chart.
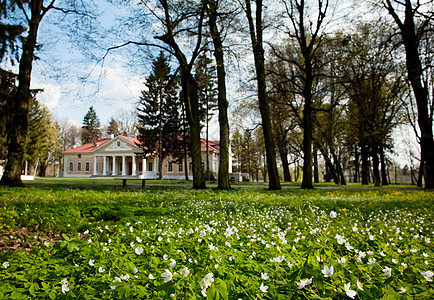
(243, 244)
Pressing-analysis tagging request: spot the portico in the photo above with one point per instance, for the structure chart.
(118, 165)
(121, 157)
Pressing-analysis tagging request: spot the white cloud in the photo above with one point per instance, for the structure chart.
(50, 96)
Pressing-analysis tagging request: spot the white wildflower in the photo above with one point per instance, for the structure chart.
(167, 275)
(350, 293)
(263, 288)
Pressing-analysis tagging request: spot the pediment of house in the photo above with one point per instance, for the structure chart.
(118, 144)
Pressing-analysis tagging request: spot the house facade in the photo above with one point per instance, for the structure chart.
(121, 157)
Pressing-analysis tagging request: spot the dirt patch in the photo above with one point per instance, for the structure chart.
(27, 238)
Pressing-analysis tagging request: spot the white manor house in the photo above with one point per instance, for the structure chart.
(121, 157)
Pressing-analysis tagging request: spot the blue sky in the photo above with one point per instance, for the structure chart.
(65, 60)
(111, 87)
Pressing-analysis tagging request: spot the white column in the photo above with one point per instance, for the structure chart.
(134, 171)
(124, 169)
(94, 165)
(155, 167)
(65, 167)
(114, 166)
(104, 165)
(144, 165)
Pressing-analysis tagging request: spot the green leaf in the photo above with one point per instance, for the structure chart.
(222, 289)
(211, 293)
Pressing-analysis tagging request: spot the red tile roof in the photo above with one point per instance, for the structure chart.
(87, 148)
(212, 145)
(133, 140)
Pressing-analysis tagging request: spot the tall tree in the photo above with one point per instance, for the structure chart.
(34, 12)
(177, 19)
(7, 90)
(91, 131)
(159, 124)
(283, 124)
(9, 35)
(417, 19)
(44, 143)
(214, 14)
(373, 82)
(126, 120)
(70, 134)
(308, 34)
(256, 36)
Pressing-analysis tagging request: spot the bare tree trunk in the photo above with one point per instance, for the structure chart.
(189, 91)
(411, 42)
(384, 180)
(191, 101)
(421, 171)
(338, 167)
(223, 174)
(258, 53)
(375, 166)
(356, 165)
(365, 164)
(329, 165)
(285, 164)
(315, 166)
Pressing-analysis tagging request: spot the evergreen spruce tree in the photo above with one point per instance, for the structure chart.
(113, 127)
(91, 131)
(205, 74)
(7, 90)
(158, 114)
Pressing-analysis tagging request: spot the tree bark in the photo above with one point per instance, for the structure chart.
(315, 166)
(191, 101)
(189, 92)
(285, 163)
(223, 174)
(258, 53)
(376, 166)
(384, 180)
(421, 172)
(364, 153)
(338, 168)
(356, 164)
(18, 130)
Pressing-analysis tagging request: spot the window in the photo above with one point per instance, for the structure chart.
(170, 167)
(140, 167)
(190, 167)
(79, 167)
(180, 168)
(79, 156)
(87, 167)
(150, 166)
(71, 167)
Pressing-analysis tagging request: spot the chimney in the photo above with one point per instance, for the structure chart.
(112, 136)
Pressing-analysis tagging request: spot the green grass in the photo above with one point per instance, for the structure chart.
(111, 181)
(51, 231)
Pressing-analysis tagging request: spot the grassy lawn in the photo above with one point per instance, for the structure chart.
(111, 181)
(97, 241)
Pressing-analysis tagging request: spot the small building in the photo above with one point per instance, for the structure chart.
(121, 157)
